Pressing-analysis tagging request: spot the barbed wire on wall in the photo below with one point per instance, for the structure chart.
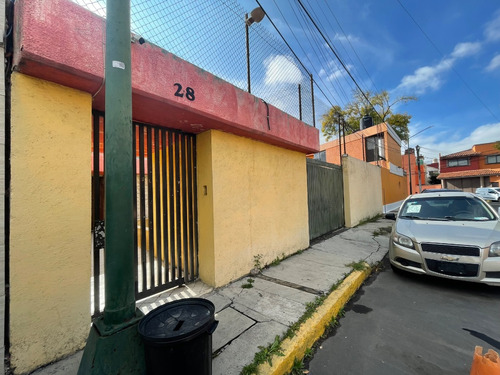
(211, 35)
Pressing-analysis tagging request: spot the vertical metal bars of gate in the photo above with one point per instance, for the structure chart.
(97, 278)
(166, 245)
(166, 239)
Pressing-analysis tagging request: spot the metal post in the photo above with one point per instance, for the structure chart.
(118, 170)
(409, 167)
(312, 99)
(340, 143)
(343, 132)
(248, 52)
(364, 146)
(300, 103)
(114, 346)
(418, 166)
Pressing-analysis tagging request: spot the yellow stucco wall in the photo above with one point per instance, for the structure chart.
(252, 200)
(394, 187)
(362, 190)
(50, 239)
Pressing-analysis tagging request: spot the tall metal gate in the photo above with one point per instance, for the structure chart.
(325, 196)
(166, 242)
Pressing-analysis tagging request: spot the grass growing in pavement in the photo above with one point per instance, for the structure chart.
(358, 266)
(298, 367)
(266, 353)
(382, 231)
(311, 308)
(369, 220)
(278, 260)
(249, 284)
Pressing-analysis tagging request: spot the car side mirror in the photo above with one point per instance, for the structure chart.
(392, 215)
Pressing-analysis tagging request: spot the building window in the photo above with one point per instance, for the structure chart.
(374, 148)
(458, 162)
(493, 159)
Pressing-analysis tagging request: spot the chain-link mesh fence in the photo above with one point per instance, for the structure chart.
(211, 35)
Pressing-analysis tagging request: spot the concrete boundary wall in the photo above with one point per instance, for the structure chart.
(362, 190)
(252, 205)
(50, 238)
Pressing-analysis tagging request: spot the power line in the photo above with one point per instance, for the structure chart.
(329, 61)
(450, 65)
(352, 47)
(318, 18)
(303, 51)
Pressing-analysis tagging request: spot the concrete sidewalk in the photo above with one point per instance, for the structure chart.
(252, 317)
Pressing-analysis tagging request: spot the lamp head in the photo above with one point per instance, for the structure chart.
(256, 15)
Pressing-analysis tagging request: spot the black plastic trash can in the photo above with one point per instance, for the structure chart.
(178, 337)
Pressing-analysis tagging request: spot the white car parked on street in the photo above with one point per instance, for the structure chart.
(447, 234)
(489, 193)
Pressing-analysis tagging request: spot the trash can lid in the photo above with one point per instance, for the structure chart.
(177, 321)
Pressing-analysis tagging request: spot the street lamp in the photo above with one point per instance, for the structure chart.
(256, 15)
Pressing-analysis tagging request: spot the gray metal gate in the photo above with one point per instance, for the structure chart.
(325, 196)
(166, 242)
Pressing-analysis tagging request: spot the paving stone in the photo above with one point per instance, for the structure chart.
(231, 325)
(242, 350)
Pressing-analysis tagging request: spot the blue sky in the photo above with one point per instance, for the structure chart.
(449, 59)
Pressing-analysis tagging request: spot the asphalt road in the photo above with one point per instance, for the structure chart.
(409, 324)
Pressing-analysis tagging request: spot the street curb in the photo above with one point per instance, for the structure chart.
(312, 329)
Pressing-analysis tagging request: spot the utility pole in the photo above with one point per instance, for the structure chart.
(409, 166)
(114, 345)
(343, 132)
(418, 166)
(340, 142)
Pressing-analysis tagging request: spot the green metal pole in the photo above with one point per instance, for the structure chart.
(114, 345)
(119, 263)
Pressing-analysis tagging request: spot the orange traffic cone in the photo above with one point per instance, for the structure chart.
(489, 364)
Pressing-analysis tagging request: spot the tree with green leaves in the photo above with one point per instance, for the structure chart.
(378, 106)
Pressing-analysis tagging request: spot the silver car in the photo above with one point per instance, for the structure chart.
(453, 235)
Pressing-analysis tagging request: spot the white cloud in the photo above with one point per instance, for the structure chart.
(430, 77)
(465, 49)
(425, 78)
(492, 29)
(494, 64)
(346, 38)
(334, 72)
(281, 69)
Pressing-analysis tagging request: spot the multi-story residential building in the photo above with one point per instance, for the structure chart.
(473, 168)
(378, 145)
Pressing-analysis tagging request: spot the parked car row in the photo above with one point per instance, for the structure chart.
(455, 235)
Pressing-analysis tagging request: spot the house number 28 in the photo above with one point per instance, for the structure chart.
(180, 92)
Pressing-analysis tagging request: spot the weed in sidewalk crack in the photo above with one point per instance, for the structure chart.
(358, 266)
(249, 284)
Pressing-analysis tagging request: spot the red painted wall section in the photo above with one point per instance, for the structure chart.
(62, 42)
(474, 164)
